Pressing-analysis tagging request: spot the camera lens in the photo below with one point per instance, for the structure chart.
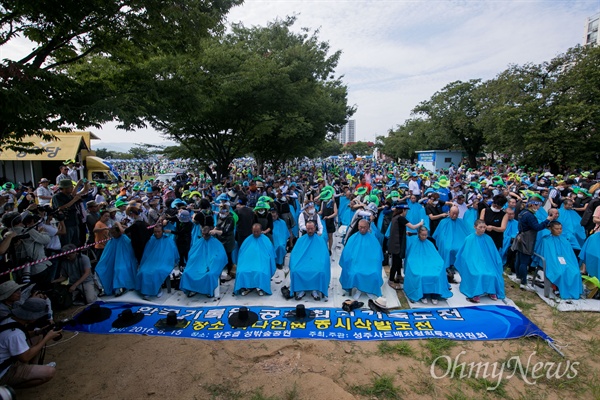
(7, 393)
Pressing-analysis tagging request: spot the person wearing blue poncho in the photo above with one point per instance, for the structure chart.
(281, 234)
(206, 260)
(117, 266)
(361, 263)
(256, 264)
(159, 259)
(450, 236)
(590, 255)
(309, 265)
(425, 273)
(562, 267)
(480, 266)
(345, 213)
(416, 213)
(512, 229)
(571, 222)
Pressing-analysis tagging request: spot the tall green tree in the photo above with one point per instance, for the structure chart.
(328, 147)
(39, 91)
(414, 135)
(358, 148)
(545, 114)
(454, 113)
(266, 91)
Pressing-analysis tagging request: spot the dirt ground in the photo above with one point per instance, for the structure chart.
(141, 367)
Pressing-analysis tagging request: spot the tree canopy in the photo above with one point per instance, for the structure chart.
(39, 91)
(265, 91)
(534, 114)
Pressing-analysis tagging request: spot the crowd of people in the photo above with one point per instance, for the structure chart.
(136, 235)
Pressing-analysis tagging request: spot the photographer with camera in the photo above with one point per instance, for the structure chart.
(15, 350)
(13, 295)
(68, 203)
(77, 268)
(7, 237)
(54, 225)
(28, 246)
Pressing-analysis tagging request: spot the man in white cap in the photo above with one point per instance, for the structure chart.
(15, 351)
(43, 194)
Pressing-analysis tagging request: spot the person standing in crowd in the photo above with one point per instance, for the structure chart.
(397, 244)
(524, 243)
(495, 220)
(64, 174)
(77, 269)
(43, 194)
(225, 231)
(67, 202)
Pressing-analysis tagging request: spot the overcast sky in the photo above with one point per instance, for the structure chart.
(397, 53)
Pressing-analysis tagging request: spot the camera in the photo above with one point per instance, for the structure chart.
(57, 214)
(7, 393)
(57, 326)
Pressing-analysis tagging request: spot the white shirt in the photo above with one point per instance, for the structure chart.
(12, 343)
(43, 191)
(414, 187)
(462, 209)
(100, 199)
(73, 173)
(54, 240)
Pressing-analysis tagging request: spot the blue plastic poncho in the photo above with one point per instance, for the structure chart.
(196, 233)
(480, 267)
(117, 266)
(572, 229)
(345, 213)
(160, 256)
(471, 215)
(414, 215)
(256, 264)
(562, 267)
(449, 236)
(281, 234)
(424, 271)
(309, 265)
(590, 255)
(512, 229)
(206, 261)
(377, 233)
(361, 264)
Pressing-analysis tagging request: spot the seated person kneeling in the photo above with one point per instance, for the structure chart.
(361, 263)
(425, 271)
(206, 261)
(480, 266)
(15, 350)
(256, 264)
(310, 269)
(562, 267)
(76, 267)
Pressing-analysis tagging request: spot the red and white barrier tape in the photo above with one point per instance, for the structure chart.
(29, 264)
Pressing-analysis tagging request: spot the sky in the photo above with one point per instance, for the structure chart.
(398, 53)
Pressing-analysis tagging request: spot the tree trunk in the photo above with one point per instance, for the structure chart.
(260, 165)
(472, 160)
